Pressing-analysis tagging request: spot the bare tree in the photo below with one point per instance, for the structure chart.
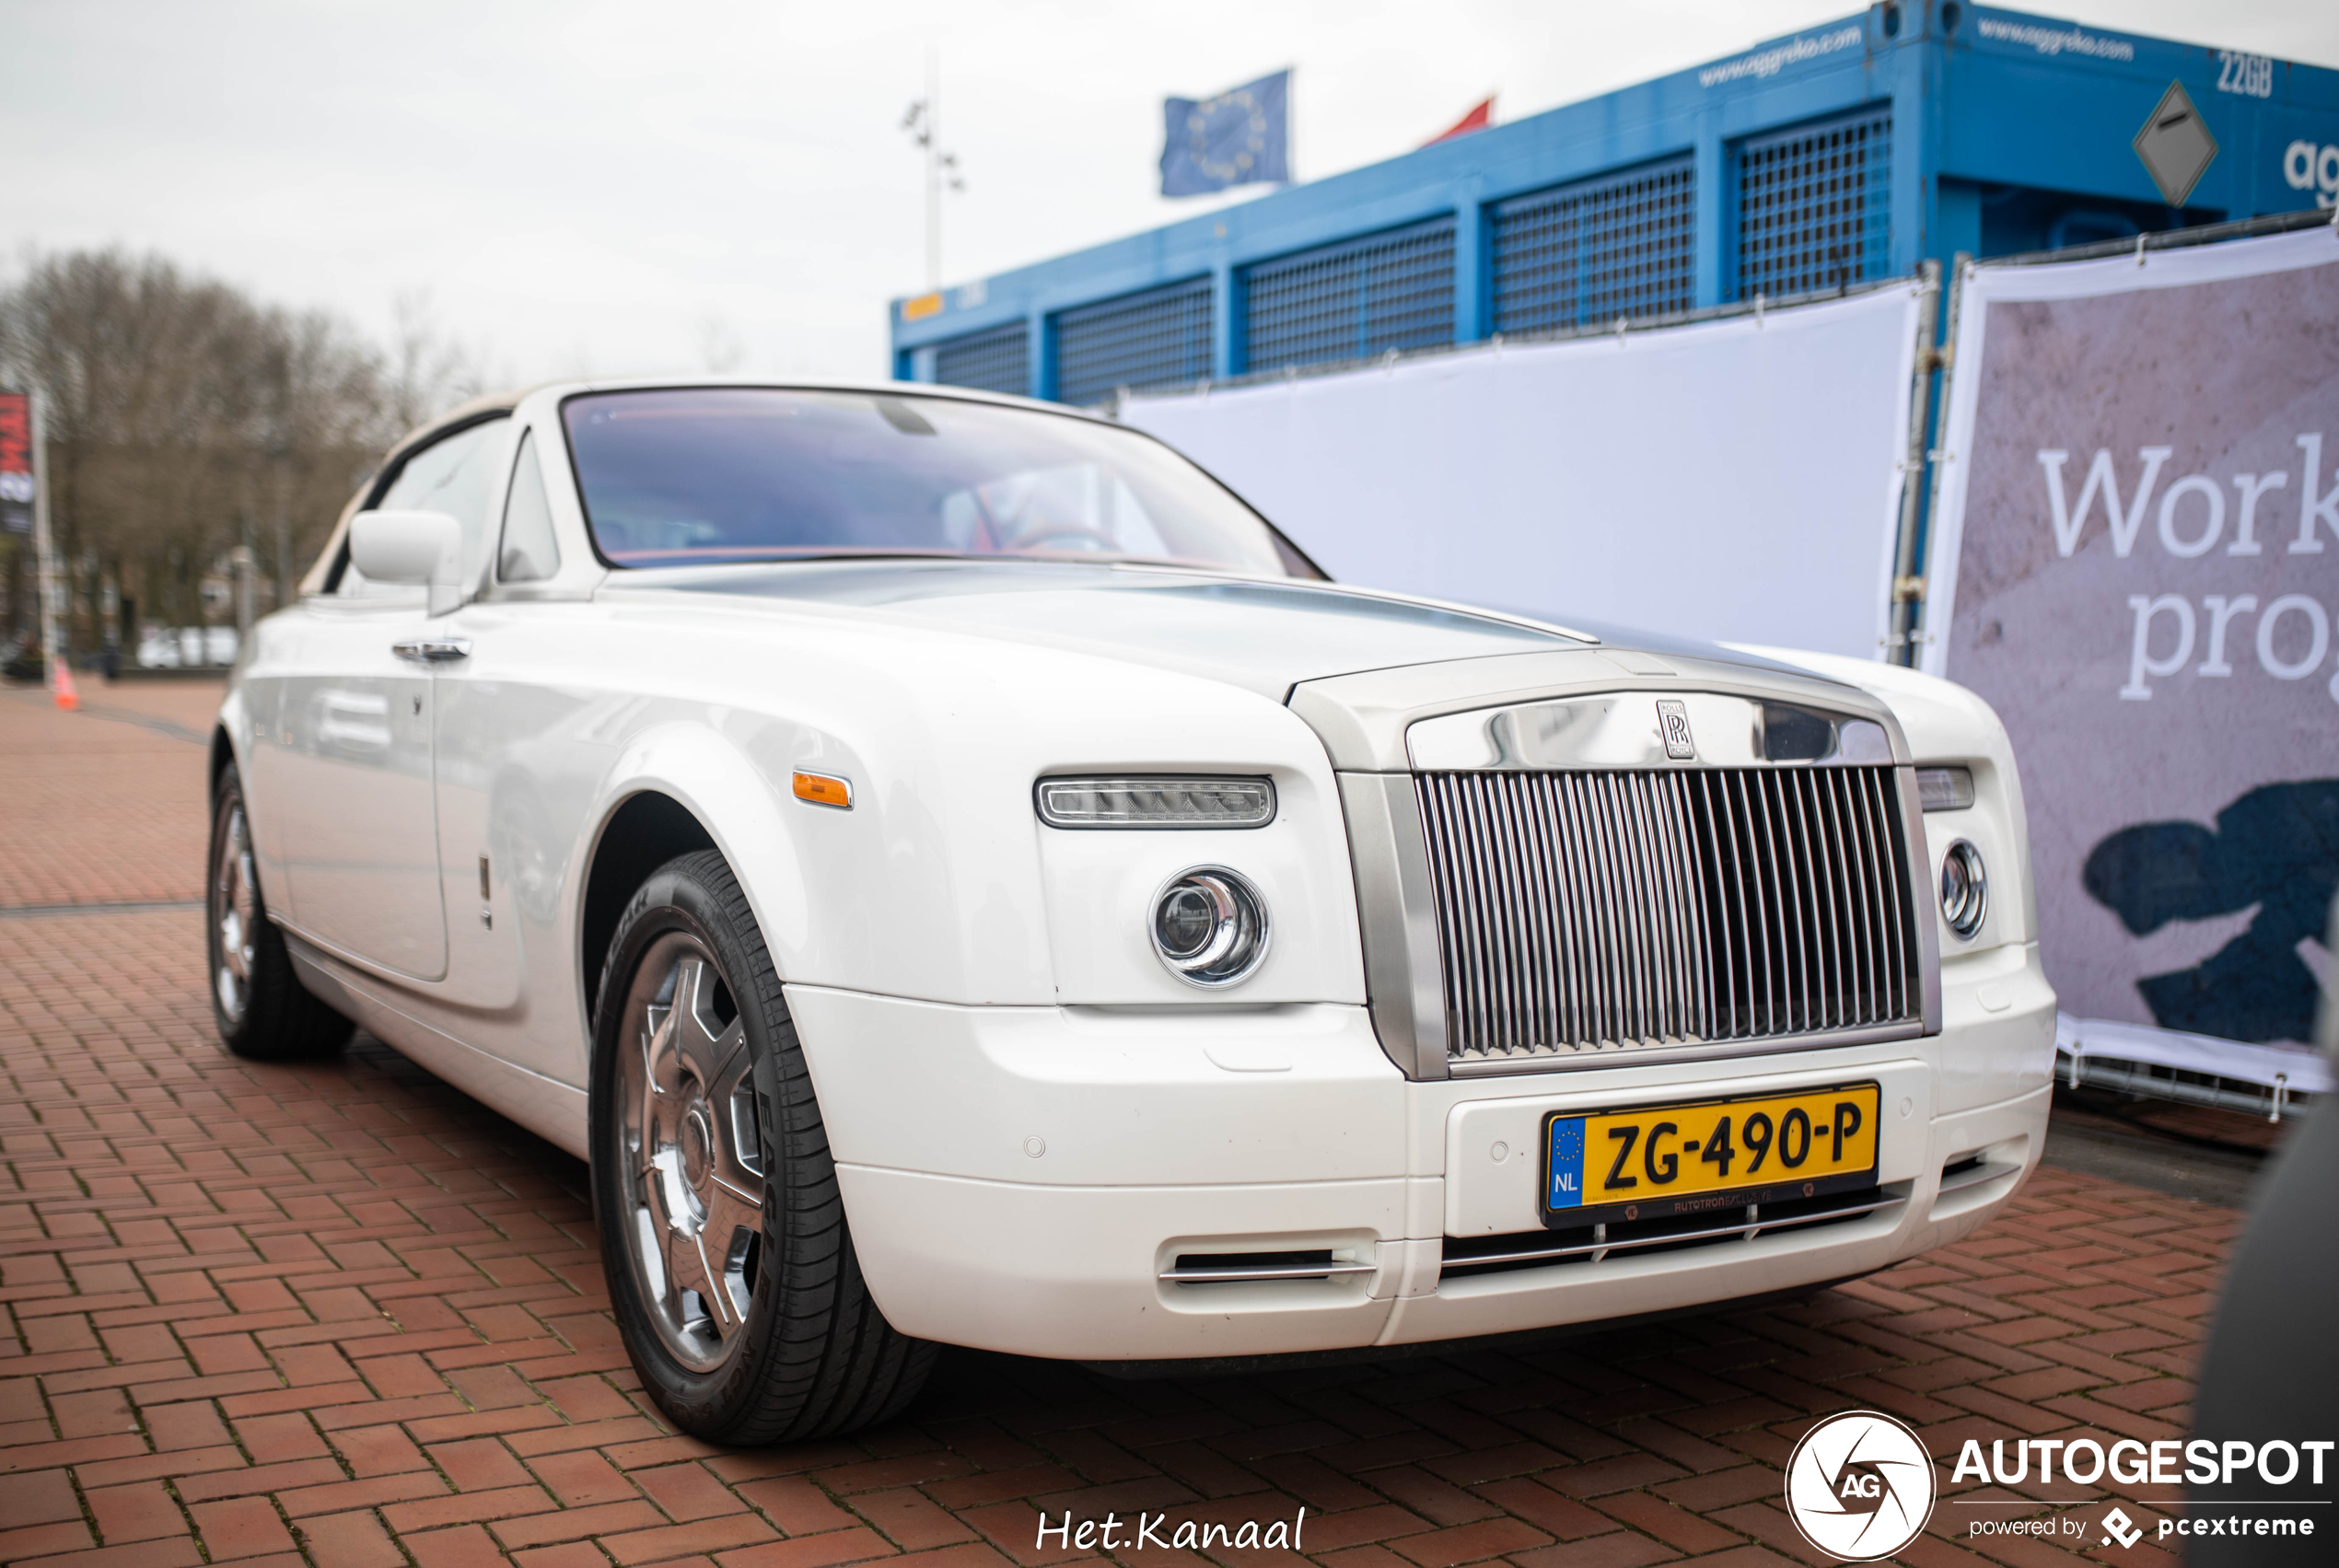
(184, 418)
(429, 370)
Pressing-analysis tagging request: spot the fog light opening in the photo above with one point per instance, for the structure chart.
(1209, 926)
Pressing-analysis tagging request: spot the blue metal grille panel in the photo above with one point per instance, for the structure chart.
(1588, 252)
(997, 359)
(1157, 338)
(1353, 300)
(1815, 205)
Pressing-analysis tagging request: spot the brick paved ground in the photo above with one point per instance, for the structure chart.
(343, 1313)
(97, 811)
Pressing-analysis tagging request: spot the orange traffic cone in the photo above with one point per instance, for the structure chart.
(68, 698)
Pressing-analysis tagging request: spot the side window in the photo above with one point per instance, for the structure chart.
(451, 476)
(531, 554)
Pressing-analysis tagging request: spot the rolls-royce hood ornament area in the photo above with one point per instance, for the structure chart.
(960, 876)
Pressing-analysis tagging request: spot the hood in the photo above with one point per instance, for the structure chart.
(1267, 636)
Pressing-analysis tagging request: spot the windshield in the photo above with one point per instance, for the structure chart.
(681, 477)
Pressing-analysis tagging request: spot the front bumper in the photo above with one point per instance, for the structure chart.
(1019, 1179)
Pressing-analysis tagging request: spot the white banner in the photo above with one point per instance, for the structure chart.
(1731, 480)
(2136, 561)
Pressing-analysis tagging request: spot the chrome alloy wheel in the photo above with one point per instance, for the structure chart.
(693, 1156)
(235, 917)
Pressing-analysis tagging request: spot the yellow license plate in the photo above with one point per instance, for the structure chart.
(1659, 1161)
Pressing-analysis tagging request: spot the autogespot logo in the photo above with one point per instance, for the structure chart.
(1860, 1486)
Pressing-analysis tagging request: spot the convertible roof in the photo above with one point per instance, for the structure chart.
(488, 404)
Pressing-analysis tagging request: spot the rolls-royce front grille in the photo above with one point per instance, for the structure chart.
(1591, 912)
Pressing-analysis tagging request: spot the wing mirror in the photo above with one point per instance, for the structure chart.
(411, 547)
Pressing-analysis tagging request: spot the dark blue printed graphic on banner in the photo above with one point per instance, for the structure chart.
(1567, 1176)
(1240, 137)
(2272, 854)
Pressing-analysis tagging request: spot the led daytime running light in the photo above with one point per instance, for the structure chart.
(1157, 802)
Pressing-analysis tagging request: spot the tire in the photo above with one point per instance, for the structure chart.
(735, 1288)
(263, 1011)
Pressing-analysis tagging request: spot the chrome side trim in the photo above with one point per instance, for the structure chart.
(1249, 1274)
(1716, 1050)
(1363, 719)
(433, 650)
(1623, 729)
(1748, 1229)
(1398, 919)
(1927, 898)
(1974, 1174)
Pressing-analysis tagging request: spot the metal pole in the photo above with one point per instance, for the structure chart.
(44, 549)
(1907, 587)
(1945, 356)
(246, 566)
(933, 172)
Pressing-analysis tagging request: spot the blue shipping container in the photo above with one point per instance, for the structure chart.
(1845, 152)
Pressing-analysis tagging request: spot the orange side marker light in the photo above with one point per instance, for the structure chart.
(822, 790)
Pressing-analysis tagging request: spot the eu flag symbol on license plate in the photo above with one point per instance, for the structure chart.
(1567, 1176)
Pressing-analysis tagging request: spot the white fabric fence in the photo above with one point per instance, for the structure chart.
(1737, 480)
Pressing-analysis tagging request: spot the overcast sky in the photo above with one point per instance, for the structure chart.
(586, 186)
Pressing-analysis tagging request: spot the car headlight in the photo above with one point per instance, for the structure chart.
(1157, 801)
(1965, 889)
(1209, 926)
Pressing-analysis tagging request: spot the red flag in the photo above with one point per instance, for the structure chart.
(1477, 119)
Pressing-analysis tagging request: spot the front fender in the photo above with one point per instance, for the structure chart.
(710, 778)
(871, 898)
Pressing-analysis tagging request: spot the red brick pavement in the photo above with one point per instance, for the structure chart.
(344, 1315)
(103, 809)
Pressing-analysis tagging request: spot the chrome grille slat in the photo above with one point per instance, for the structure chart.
(1855, 807)
(1820, 931)
(1590, 913)
(1869, 801)
(1846, 907)
(1754, 878)
(1888, 816)
(1588, 1005)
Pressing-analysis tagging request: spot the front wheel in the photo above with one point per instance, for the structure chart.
(731, 1273)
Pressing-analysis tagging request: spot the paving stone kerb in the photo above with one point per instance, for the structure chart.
(344, 1314)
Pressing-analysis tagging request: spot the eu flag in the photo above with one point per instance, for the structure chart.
(1239, 137)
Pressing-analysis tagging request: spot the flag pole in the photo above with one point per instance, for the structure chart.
(933, 171)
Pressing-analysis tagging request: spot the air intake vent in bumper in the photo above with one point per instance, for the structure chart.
(1259, 1268)
(1590, 1243)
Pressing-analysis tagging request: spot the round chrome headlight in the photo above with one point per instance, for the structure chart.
(1965, 889)
(1209, 926)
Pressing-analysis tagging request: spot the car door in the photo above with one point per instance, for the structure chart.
(354, 764)
(499, 860)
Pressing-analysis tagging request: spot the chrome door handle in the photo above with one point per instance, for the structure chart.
(433, 650)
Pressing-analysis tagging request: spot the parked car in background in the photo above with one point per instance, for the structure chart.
(187, 647)
(960, 876)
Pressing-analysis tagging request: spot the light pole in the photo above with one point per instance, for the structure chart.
(44, 552)
(923, 122)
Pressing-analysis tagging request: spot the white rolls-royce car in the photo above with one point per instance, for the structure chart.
(959, 877)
